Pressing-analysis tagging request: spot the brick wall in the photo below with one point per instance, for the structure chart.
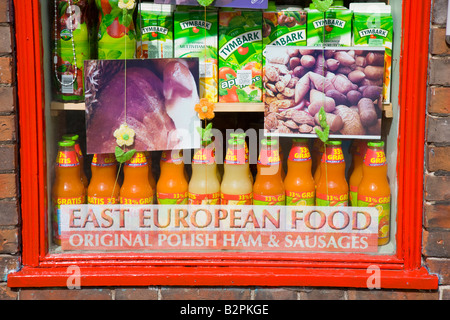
(436, 236)
(436, 207)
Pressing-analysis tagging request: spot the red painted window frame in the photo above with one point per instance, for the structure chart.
(402, 270)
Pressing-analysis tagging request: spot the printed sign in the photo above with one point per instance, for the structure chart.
(218, 228)
(250, 4)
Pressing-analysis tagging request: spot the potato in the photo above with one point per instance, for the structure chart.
(360, 61)
(332, 64)
(334, 121)
(375, 59)
(367, 112)
(351, 122)
(374, 72)
(308, 61)
(356, 76)
(344, 58)
(307, 51)
(300, 71)
(353, 97)
(342, 84)
(292, 52)
(338, 97)
(294, 62)
(372, 92)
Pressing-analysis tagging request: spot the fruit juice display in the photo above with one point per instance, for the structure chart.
(154, 23)
(283, 26)
(240, 56)
(374, 190)
(116, 32)
(75, 137)
(299, 182)
(136, 188)
(268, 188)
(332, 187)
(71, 46)
(67, 188)
(172, 186)
(373, 26)
(332, 28)
(204, 185)
(103, 187)
(359, 150)
(195, 33)
(236, 187)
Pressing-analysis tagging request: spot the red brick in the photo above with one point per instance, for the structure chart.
(438, 45)
(7, 293)
(438, 100)
(366, 294)
(177, 293)
(322, 294)
(436, 243)
(438, 158)
(437, 215)
(440, 267)
(275, 294)
(8, 128)
(439, 12)
(144, 293)
(438, 129)
(445, 293)
(8, 185)
(436, 188)
(9, 240)
(5, 39)
(8, 264)
(5, 12)
(65, 294)
(8, 157)
(7, 75)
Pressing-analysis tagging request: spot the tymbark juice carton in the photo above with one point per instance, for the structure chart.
(240, 56)
(196, 37)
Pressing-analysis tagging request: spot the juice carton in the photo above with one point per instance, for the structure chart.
(240, 56)
(284, 26)
(155, 31)
(373, 27)
(331, 28)
(196, 37)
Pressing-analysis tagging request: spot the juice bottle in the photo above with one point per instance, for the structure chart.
(136, 188)
(356, 171)
(103, 188)
(332, 188)
(172, 186)
(236, 187)
(204, 186)
(269, 187)
(67, 187)
(317, 153)
(374, 190)
(74, 137)
(299, 182)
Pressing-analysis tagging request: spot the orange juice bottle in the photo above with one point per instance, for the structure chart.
(236, 187)
(269, 187)
(103, 187)
(68, 189)
(374, 190)
(136, 188)
(204, 186)
(356, 171)
(299, 182)
(317, 152)
(332, 187)
(75, 137)
(172, 186)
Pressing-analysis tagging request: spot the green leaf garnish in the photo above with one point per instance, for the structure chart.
(122, 156)
(322, 5)
(205, 3)
(325, 132)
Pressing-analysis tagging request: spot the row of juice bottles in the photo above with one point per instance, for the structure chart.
(312, 178)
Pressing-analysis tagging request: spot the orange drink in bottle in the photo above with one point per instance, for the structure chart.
(332, 187)
(356, 172)
(236, 187)
(103, 187)
(269, 187)
(172, 186)
(68, 189)
(136, 188)
(299, 182)
(374, 190)
(204, 186)
(75, 137)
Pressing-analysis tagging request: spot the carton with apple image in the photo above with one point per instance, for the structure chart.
(240, 56)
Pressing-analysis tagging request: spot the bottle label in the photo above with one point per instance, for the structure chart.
(269, 157)
(204, 155)
(78, 150)
(237, 199)
(102, 200)
(172, 156)
(353, 196)
(374, 158)
(67, 159)
(333, 155)
(332, 200)
(146, 200)
(103, 160)
(300, 198)
(56, 216)
(383, 205)
(172, 198)
(138, 160)
(236, 156)
(211, 199)
(299, 154)
(273, 200)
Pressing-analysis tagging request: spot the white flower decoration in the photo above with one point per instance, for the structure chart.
(126, 4)
(124, 135)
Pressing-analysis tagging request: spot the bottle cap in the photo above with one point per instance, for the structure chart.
(235, 141)
(237, 135)
(376, 144)
(66, 143)
(269, 142)
(334, 143)
(68, 136)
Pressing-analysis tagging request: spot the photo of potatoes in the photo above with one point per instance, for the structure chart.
(346, 81)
